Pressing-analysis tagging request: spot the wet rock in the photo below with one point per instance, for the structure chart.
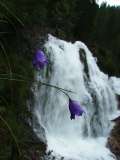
(32, 147)
(117, 119)
(114, 139)
(118, 99)
(84, 61)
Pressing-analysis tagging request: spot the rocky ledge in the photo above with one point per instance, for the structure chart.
(114, 140)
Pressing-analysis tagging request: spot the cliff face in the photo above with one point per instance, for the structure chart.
(31, 147)
(114, 139)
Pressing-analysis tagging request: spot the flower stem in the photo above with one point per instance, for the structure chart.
(42, 83)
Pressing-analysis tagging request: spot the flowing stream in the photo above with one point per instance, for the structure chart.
(72, 67)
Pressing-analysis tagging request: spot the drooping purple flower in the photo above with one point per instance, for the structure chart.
(39, 59)
(75, 109)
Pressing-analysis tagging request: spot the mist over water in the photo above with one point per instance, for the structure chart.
(73, 67)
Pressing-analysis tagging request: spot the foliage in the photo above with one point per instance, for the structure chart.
(13, 95)
(106, 36)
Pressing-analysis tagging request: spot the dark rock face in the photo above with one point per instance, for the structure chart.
(114, 140)
(34, 148)
(118, 98)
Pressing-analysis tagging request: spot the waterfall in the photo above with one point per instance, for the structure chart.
(72, 67)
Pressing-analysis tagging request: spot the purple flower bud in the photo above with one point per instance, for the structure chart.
(75, 109)
(39, 60)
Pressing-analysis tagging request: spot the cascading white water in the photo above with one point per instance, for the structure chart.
(72, 67)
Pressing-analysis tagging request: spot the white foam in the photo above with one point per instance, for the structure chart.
(79, 149)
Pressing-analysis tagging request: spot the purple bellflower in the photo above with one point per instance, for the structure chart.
(75, 109)
(39, 60)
